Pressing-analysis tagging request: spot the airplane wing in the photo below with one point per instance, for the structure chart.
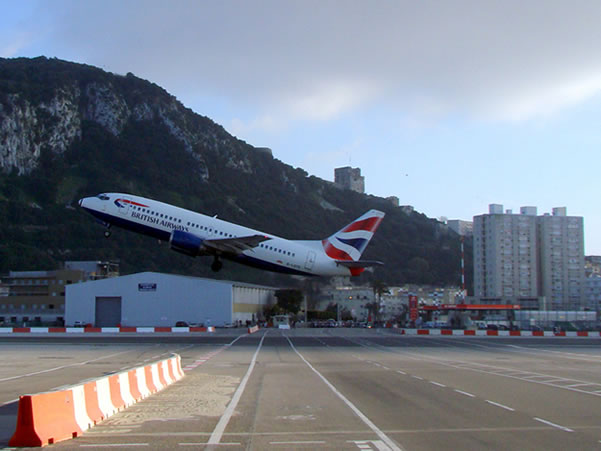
(358, 263)
(234, 245)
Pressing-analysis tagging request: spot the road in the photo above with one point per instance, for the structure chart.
(329, 389)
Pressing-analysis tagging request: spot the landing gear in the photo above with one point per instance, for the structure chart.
(107, 233)
(216, 265)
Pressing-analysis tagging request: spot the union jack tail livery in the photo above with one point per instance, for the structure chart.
(347, 245)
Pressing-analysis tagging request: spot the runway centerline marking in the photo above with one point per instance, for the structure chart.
(387, 440)
(229, 411)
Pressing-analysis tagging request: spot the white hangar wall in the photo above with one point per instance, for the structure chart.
(156, 299)
(248, 301)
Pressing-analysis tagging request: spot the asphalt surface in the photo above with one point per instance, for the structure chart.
(327, 389)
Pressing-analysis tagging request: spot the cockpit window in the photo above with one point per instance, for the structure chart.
(103, 197)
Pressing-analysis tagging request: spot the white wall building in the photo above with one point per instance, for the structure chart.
(155, 299)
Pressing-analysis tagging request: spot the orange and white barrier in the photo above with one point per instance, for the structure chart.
(499, 333)
(102, 330)
(47, 418)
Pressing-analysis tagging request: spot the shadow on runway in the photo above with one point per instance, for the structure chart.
(8, 422)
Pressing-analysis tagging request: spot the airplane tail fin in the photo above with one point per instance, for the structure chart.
(349, 242)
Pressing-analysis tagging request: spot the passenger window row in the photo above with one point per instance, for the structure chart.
(160, 215)
(271, 248)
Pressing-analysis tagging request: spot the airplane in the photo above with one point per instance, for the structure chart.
(195, 234)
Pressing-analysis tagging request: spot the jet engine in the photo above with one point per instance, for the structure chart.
(186, 243)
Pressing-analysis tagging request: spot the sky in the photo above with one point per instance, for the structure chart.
(448, 105)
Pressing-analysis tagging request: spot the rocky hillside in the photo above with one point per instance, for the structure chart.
(69, 130)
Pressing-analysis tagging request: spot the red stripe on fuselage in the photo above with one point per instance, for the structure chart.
(131, 202)
(369, 224)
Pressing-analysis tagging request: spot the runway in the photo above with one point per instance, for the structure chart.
(350, 389)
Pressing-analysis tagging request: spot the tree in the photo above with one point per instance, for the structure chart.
(289, 300)
(379, 288)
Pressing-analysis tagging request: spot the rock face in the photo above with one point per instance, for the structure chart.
(42, 111)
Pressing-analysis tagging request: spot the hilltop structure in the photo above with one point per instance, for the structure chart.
(349, 178)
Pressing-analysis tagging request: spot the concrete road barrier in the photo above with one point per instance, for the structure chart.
(47, 418)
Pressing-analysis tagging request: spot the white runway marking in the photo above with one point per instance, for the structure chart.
(49, 370)
(387, 440)
(500, 405)
(365, 444)
(465, 393)
(563, 428)
(437, 384)
(229, 411)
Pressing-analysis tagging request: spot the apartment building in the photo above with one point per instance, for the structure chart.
(561, 254)
(535, 261)
(505, 254)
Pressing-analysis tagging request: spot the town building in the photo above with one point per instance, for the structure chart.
(593, 293)
(37, 298)
(349, 178)
(592, 265)
(164, 300)
(463, 228)
(561, 257)
(534, 261)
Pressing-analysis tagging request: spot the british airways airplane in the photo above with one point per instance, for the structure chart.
(195, 234)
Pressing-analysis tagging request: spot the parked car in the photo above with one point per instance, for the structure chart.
(181, 324)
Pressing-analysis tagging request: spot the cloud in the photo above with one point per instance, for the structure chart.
(317, 60)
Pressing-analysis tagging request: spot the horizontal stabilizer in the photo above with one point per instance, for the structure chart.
(359, 263)
(235, 245)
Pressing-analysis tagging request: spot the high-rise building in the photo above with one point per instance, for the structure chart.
(523, 257)
(561, 254)
(349, 178)
(505, 259)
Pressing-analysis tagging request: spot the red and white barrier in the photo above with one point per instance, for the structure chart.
(104, 330)
(47, 418)
(252, 330)
(500, 333)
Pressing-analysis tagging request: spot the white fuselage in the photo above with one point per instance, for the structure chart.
(159, 220)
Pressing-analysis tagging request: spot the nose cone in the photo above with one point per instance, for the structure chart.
(81, 202)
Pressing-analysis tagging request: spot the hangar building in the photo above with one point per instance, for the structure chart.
(156, 299)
